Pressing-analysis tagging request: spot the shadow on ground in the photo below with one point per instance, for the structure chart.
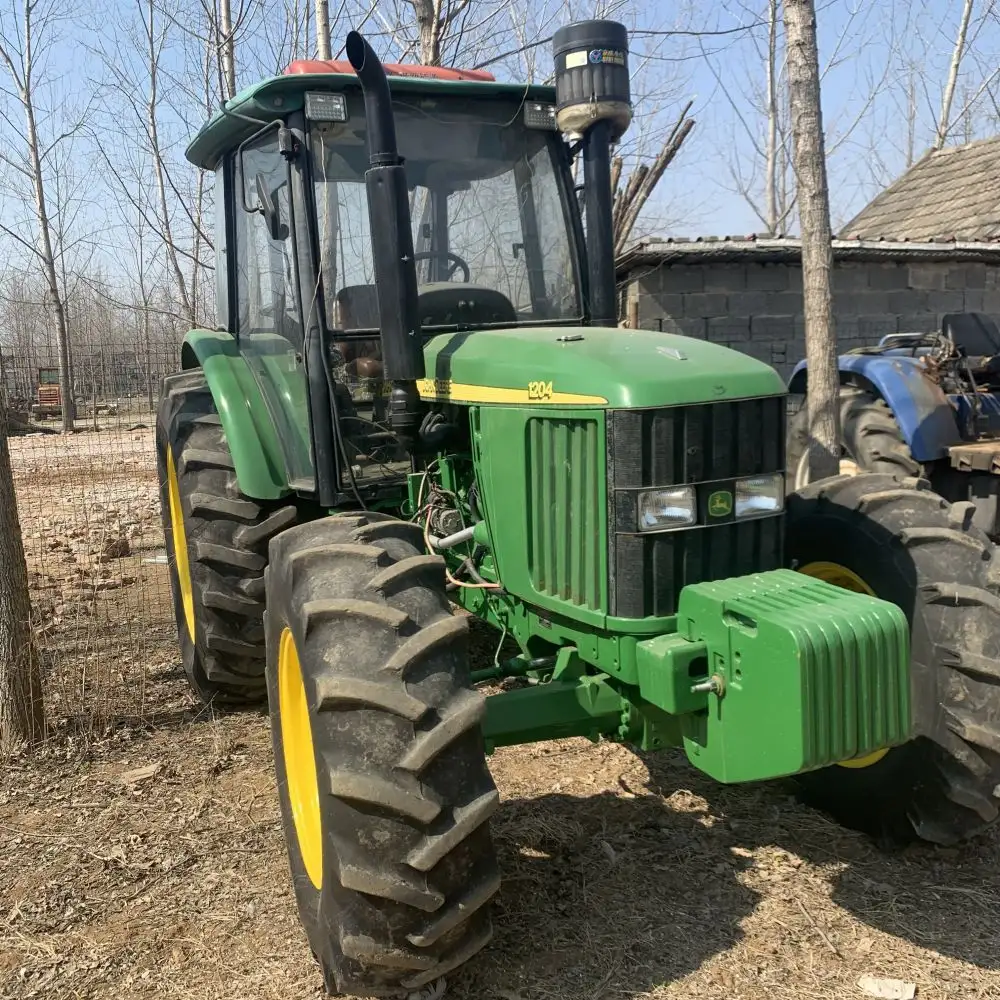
(945, 899)
(626, 892)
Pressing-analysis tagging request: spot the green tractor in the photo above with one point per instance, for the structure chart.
(417, 398)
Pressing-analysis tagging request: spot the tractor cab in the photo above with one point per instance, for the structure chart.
(496, 231)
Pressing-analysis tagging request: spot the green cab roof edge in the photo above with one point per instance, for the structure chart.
(278, 96)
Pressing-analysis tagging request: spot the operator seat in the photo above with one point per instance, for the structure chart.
(440, 303)
(975, 334)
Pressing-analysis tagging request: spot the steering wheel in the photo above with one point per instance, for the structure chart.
(457, 264)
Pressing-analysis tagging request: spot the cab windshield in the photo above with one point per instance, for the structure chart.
(488, 207)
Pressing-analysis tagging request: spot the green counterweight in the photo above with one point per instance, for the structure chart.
(768, 675)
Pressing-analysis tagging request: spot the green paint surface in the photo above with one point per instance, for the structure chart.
(810, 675)
(628, 368)
(246, 420)
(542, 475)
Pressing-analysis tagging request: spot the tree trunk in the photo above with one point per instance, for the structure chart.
(427, 14)
(944, 123)
(153, 135)
(21, 711)
(771, 153)
(630, 200)
(817, 250)
(323, 47)
(48, 258)
(227, 47)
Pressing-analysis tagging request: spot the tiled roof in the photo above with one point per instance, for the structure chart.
(784, 249)
(952, 194)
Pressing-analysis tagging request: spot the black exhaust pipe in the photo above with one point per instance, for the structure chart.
(597, 200)
(392, 246)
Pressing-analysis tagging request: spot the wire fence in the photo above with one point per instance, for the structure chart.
(90, 517)
(89, 510)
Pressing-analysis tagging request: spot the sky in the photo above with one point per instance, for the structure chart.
(884, 65)
(878, 59)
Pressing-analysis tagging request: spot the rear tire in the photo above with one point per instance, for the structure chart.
(385, 794)
(914, 549)
(220, 576)
(870, 437)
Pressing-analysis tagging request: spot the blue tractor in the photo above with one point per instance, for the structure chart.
(920, 404)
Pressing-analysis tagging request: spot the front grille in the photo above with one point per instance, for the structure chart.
(564, 473)
(707, 445)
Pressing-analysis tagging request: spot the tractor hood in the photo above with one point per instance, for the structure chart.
(589, 366)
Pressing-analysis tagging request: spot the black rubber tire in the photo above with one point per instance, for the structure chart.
(408, 863)
(870, 437)
(921, 553)
(227, 535)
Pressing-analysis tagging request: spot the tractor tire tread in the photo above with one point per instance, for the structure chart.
(870, 436)
(951, 790)
(405, 792)
(227, 535)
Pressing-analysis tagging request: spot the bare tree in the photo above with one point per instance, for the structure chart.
(817, 248)
(25, 36)
(323, 29)
(771, 150)
(227, 48)
(631, 198)
(21, 707)
(944, 120)
(171, 207)
(754, 108)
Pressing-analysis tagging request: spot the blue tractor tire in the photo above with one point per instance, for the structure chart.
(871, 440)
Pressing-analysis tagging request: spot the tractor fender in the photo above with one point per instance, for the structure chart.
(250, 432)
(924, 414)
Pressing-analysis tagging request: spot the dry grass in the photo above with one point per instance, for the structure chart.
(144, 857)
(624, 878)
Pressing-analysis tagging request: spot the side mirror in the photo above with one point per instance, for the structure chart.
(277, 229)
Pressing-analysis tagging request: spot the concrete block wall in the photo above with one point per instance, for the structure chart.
(757, 308)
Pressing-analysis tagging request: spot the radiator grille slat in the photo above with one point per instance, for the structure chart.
(564, 512)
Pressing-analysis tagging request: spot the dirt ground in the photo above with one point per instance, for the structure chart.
(144, 856)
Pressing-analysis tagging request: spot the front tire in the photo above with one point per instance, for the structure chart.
(904, 544)
(385, 794)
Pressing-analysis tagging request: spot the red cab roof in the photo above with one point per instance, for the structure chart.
(392, 69)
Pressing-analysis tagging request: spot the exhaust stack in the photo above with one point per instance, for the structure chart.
(392, 246)
(594, 100)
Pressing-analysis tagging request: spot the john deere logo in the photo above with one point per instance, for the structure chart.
(720, 504)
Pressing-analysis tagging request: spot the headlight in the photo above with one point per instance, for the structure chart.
(760, 495)
(662, 509)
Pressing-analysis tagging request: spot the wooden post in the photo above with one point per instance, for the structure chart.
(21, 716)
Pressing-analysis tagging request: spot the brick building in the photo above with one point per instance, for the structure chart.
(927, 245)
(747, 294)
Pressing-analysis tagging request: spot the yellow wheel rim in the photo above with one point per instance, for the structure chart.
(300, 761)
(872, 758)
(838, 576)
(180, 544)
(846, 579)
